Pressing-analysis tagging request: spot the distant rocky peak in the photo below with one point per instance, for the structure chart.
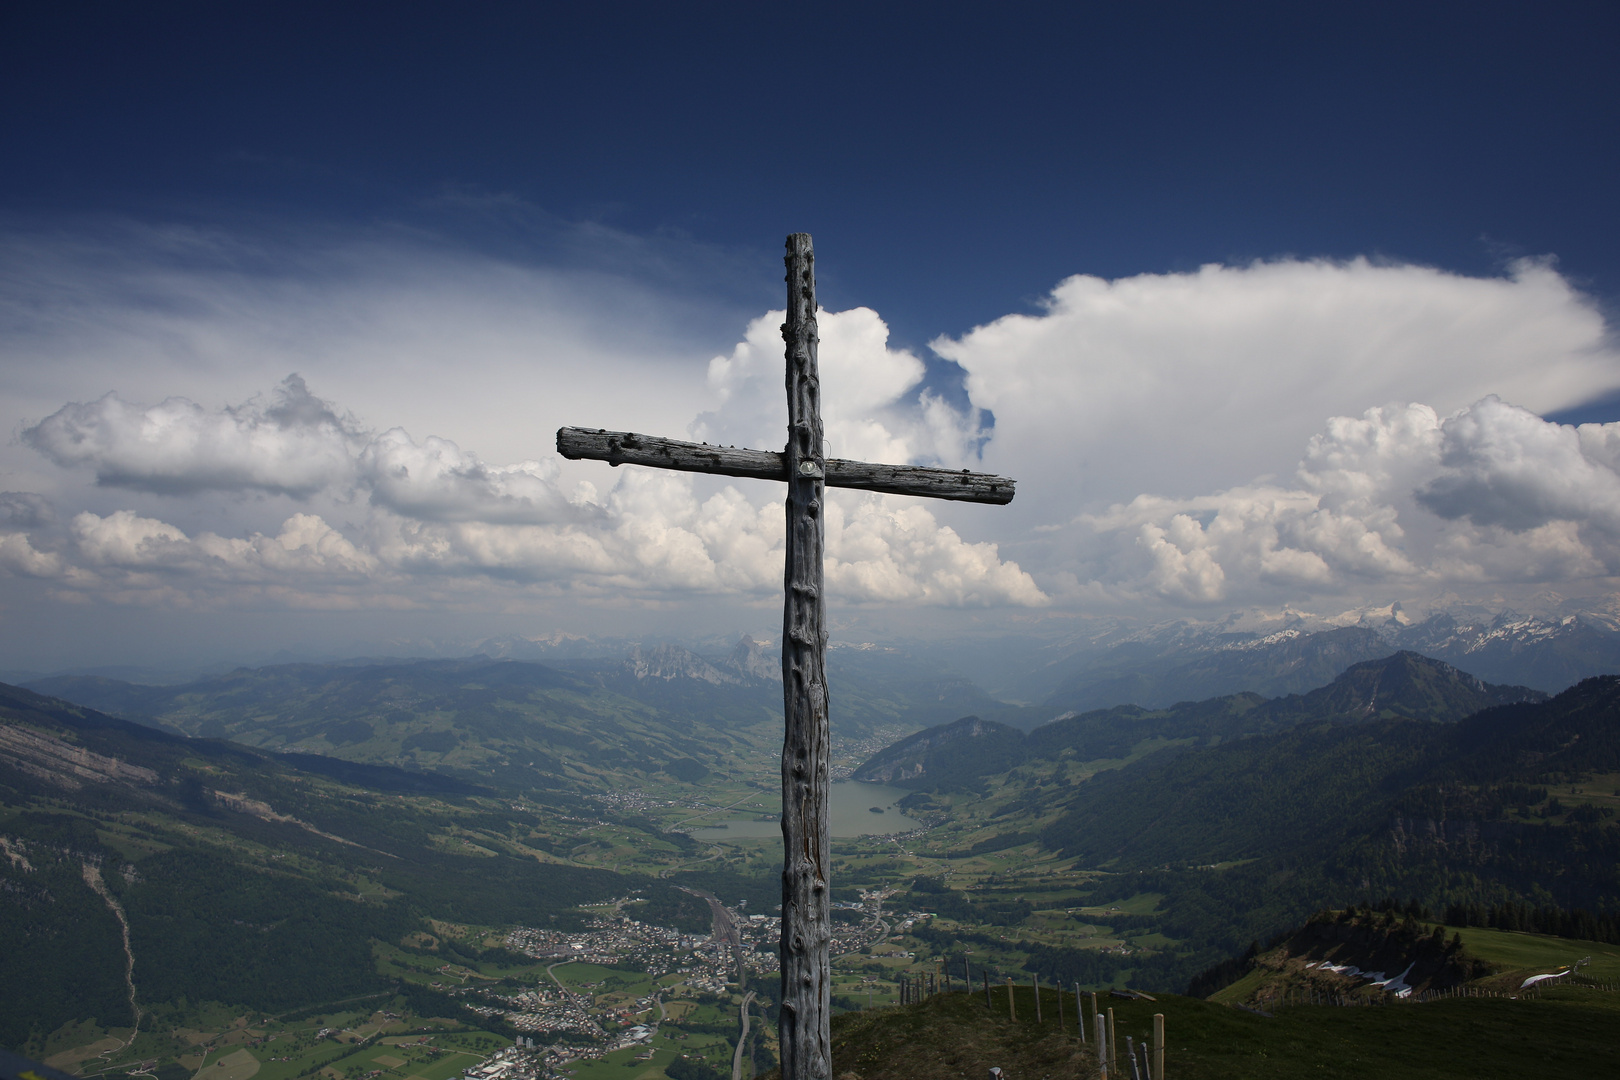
(751, 660)
(673, 662)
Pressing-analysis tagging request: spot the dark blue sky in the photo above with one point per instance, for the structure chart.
(953, 161)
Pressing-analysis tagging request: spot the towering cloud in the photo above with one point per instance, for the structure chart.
(1180, 383)
(1255, 434)
(437, 514)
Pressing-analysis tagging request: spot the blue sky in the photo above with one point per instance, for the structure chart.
(1217, 236)
(956, 163)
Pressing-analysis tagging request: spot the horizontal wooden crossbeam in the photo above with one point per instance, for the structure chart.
(628, 448)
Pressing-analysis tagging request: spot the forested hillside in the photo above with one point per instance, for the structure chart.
(256, 879)
(1247, 836)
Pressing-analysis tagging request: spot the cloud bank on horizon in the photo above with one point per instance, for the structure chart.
(1283, 432)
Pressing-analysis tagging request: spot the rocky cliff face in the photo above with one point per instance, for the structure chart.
(669, 662)
(748, 663)
(754, 661)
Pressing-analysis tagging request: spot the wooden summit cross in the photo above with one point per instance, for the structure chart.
(806, 903)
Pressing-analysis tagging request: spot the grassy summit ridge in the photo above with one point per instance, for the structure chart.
(1566, 1030)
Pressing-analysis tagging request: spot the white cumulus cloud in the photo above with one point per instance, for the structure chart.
(871, 403)
(437, 516)
(1175, 384)
(295, 445)
(1219, 437)
(1398, 497)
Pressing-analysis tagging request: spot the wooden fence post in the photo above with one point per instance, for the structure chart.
(984, 973)
(1080, 1012)
(1102, 1044)
(1113, 1051)
(1158, 1046)
(1012, 1009)
(1035, 984)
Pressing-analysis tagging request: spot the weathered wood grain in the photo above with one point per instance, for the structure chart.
(629, 448)
(804, 1029)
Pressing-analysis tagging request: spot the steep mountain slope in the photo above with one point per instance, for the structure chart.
(1317, 783)
(1403, 685)
(948, 755)
(1440, 812)
(249, 878)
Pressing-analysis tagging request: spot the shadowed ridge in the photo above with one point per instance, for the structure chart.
(946, 754)
(1405, 685)
(1577, 731)
(153, 748)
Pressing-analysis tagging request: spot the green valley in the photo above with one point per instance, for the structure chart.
(536, 876)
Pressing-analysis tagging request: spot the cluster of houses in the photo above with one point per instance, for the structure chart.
(609, 940)
(708, 967)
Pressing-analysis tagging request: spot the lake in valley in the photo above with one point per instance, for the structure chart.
(850, 802)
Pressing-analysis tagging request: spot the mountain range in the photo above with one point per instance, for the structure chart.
(1162, 665)
(583, 724)
(1403, 685)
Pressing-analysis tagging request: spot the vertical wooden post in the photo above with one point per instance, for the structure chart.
(967, 977)
(806, 917)
(1158, 1046)
(1080, 1011)
(1102, 1043)
(1012, 1008)
(984, 973)
(1035, 984)
(1113, 1051)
